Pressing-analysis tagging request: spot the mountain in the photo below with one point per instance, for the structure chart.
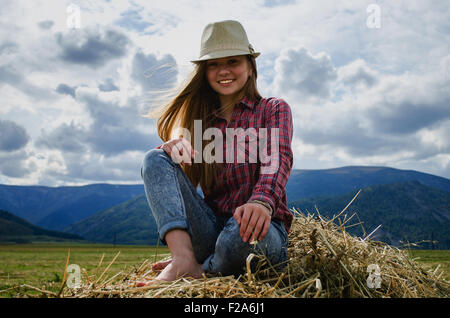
(408, 212)
(128, 223)
(312, 183)
(16, 230)
(57, 207)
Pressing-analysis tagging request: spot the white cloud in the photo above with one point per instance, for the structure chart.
(396, 120)
(303, 76)
(359, 95)
(357, 75)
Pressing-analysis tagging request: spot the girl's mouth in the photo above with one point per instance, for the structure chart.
(226, 82)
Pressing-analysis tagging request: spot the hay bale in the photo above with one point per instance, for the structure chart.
(324, 261)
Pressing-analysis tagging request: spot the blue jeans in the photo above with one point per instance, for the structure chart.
(216, 241)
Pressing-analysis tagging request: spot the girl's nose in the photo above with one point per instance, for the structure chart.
(223, 69)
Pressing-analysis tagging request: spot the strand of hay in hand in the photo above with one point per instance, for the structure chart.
(324, 261)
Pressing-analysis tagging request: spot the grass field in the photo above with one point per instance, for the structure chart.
(42, 265)
(430, 259)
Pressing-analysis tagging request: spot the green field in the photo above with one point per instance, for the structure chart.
(42, 265)
(431, 259)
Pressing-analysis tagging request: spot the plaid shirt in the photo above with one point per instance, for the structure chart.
(243, 182)
(239, 183)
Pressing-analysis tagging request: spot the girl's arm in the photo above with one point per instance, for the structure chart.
(274, 174)
(254, 217)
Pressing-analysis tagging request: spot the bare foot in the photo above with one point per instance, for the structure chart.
(183, 263)
(181, 267)
(159, 266)
(174, 269)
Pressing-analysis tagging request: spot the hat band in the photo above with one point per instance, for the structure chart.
(226, 46)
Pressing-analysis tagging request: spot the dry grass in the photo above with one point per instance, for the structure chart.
(323, 261)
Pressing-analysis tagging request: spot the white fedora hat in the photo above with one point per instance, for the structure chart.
(223, 39)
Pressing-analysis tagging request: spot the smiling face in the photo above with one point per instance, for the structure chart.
(227, 76)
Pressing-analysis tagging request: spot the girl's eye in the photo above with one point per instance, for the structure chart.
(233, 61)
(212, 64)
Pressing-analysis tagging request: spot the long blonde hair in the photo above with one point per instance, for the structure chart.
(197, 100)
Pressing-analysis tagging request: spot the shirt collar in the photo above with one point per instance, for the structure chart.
(244, 101)
(247, 102)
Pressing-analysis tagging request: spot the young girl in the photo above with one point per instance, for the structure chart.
(244, 206)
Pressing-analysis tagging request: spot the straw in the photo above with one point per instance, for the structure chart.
(324, 260)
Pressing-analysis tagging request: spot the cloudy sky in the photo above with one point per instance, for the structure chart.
(368, 81)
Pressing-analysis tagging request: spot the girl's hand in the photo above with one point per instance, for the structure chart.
(252, 218)
(180, 150)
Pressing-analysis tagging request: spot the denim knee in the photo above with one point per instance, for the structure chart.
(230, 239)
(151, 160)
(231, 252)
